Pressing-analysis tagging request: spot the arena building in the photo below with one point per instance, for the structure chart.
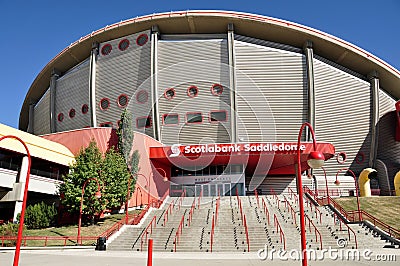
(217, 99)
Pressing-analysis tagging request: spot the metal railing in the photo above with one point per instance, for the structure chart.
(316, 231)
(279, 230)
(146, 231)
(179, 232)
(266, 210)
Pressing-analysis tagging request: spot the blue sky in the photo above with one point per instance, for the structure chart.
(34, 31)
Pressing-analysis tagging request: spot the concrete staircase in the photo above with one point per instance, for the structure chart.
(262, 214)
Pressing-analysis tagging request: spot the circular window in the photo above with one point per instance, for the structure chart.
(104, 104)
(192, 91)
(122, 100)
(85, 109)
(142, 96)
(217, 89)
(72, 113)
(169, 93)
(123, 45)
(60, 117)
(360, 157)
(142, 39)
(106, 49)
(341, 157)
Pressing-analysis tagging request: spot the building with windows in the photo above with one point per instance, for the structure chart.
(217, 98)
(49, 161)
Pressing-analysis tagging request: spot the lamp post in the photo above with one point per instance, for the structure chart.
(315, 160)
(128, 192)
(337, 182)
(98, 195)
(165, 178)
(21, 219)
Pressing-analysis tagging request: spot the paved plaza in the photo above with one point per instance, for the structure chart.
(89, 257)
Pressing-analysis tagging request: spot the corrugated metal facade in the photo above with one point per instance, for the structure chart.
(41, 120)
(200, 63)
(72, 92)
(271, 93)
(123, 71)
(386, 103)
(343, 115)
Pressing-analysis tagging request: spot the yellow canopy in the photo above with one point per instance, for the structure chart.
(38, 147)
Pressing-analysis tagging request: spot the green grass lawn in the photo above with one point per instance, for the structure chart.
(384, 208)
(72, 230)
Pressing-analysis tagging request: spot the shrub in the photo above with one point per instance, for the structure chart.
(9, 229)
(40, 215)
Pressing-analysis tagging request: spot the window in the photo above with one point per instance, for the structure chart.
(142, 96)
(142, 122)
(85, 109)
(169, 93)
(170, 119)
(192, 118)
(142, 39)
(60, 117)
(106, 124)
(72, 113)
(218, 116)
(217, 89)
(104, 104)
(106, 49)
(122, 100)
(192, 91)
(123, 44)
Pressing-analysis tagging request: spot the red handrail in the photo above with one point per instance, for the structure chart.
(275, 196)
(316, 210)
(280, 231)
(192, 208)
(212, 233)
(291, 209)
(45, 239)
(291, 193)
(256, 193)
(247, 233)
(266, 210)
(146, 231)
(341, 210)
(181, 199)
(179, 232)
(310, 222)
(167, 212)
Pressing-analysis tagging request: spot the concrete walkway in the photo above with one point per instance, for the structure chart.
(120, 258)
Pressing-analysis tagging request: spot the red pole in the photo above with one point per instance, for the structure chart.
(300, 192)
(21, 219)
(150, 253)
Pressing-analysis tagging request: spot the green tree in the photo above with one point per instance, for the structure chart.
(87, 165)
(125, 142)
(115, 176)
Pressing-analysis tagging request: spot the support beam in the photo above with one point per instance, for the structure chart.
(232, 81)
(374, 80)
(309, 53)
(31, 122)
(53, 84)
(92, 84)
(154, 84)
(19, 187)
